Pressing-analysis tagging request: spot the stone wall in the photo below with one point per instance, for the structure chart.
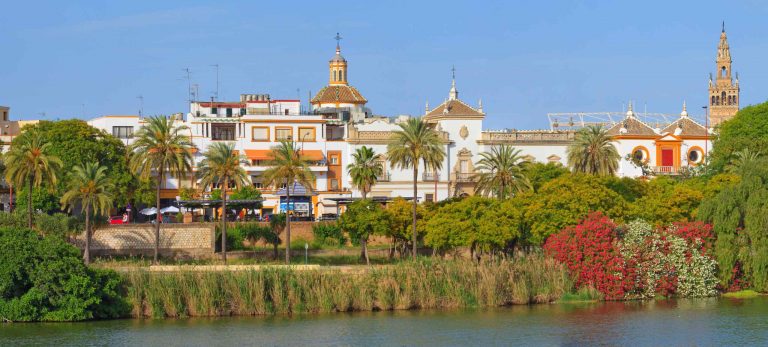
(176, 240)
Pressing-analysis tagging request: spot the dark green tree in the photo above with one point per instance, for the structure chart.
(363, 219)
(747, 130)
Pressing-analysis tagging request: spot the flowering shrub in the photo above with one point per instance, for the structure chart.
(591, 253)
(637, 261)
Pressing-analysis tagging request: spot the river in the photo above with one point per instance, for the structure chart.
(700, 322)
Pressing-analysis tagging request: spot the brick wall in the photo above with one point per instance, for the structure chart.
(176, 240)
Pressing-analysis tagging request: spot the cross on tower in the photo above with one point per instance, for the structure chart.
(338, 40)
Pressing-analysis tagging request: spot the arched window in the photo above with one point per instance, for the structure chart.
(717, 100)
(735, 101)
(723, 72)
(345, 75)
(334, 76)
(713, 101)
(723, 98)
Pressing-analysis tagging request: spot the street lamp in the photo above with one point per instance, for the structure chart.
(306, 253)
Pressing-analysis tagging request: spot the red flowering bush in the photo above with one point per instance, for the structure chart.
(636, 260)
(590, 251)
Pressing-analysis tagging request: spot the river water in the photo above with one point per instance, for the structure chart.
(695, 322)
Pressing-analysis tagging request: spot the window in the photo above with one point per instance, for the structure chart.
(334, 159)
(260, 134)
(334, 132)
(334, 75)
(242, 112)
(306, 134)
(286, 111)
(334, 185)
(640, 154)
(429, 197)
(214, 110)
(695, 155)
(229, 112)
(122, 132)
(464, 166)
(223, 132)
(283, 134)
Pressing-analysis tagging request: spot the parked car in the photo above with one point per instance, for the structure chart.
(116, 220)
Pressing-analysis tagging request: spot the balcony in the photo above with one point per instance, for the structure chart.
(462, 177)
(386, 177)
(431, 176)
(666, 170)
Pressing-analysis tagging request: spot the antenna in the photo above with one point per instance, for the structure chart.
(141, 105)
(195, 91)
(216, 95)
(188, 77)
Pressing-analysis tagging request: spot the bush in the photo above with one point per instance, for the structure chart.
(329, 234)
(44, 279)
(234, 238)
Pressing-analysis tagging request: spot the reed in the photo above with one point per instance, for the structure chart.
(426, 283)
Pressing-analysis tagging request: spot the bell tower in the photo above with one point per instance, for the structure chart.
(723, 91)
(337, 66)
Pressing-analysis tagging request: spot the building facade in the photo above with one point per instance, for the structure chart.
(339, 122)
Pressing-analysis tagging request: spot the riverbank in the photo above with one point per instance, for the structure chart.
(423, 284)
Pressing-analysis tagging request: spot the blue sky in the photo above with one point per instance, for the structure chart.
(523, 58)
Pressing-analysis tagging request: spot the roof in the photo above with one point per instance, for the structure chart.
(688, 127)
(339, 93)
(454, 108)
(633, 126)
(296, 190)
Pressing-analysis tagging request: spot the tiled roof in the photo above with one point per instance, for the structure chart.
(454, 108)
(340, 93)
(689, 128)
(634, 127)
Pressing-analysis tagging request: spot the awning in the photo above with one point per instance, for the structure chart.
(258, 154)
(311, 154)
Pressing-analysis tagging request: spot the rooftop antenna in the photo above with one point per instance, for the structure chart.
(217, 81)
(195, 91)
(141, 105)
(189, 83)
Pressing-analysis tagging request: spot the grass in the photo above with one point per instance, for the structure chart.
(742, 294)
(422, 284)
(584, 294)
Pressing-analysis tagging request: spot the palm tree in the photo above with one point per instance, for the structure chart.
(277, 225)
(90, 187)
(500, 173)
(289, 167)
(741, 159)
(163, 148)
(30, 162)
(221, 165)
(414, 143)
(593, 152)
(365, 169)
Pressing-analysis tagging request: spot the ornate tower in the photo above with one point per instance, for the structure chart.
(723, 92)
(337, 66)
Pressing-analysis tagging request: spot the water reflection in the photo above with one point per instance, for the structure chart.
(664, 322)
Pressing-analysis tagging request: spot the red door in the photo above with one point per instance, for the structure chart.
(667, 157)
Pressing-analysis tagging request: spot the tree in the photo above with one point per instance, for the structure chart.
(539, 173)
(165, 149)
(221, 166)
(365, 169)
(501, 173)
(75, 142)
(567, 200)
(361, 220)
(738, 215)
(290, 167)
(742, 159)
(414, 143)
(90, 188)
(665, 202)
(593, 152)
(748, 129)
(29, 161)
(277, 224)
(400, 217)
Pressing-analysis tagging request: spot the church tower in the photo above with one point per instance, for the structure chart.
(337, 66)
(723, 92)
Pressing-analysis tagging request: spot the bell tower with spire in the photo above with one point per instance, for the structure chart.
(337, 66)
(723, 91)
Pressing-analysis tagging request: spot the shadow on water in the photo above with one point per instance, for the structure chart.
(661, 322)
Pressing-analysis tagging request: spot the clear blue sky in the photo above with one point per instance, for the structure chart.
(523, 58)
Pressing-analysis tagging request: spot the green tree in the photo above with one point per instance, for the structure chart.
(361, 220)
(165, 149)
(90, 188)
(414, 143)
(593, 152)
(75, 142)
(747, 130)
(401, 218)
(539, 173)
(277, 223)
(567, 200)
(500, 173)
(289, 167)
(30, 161)
(365, 169)
(666, 201)
(738, 215)
(221, 166)
(742, 159)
